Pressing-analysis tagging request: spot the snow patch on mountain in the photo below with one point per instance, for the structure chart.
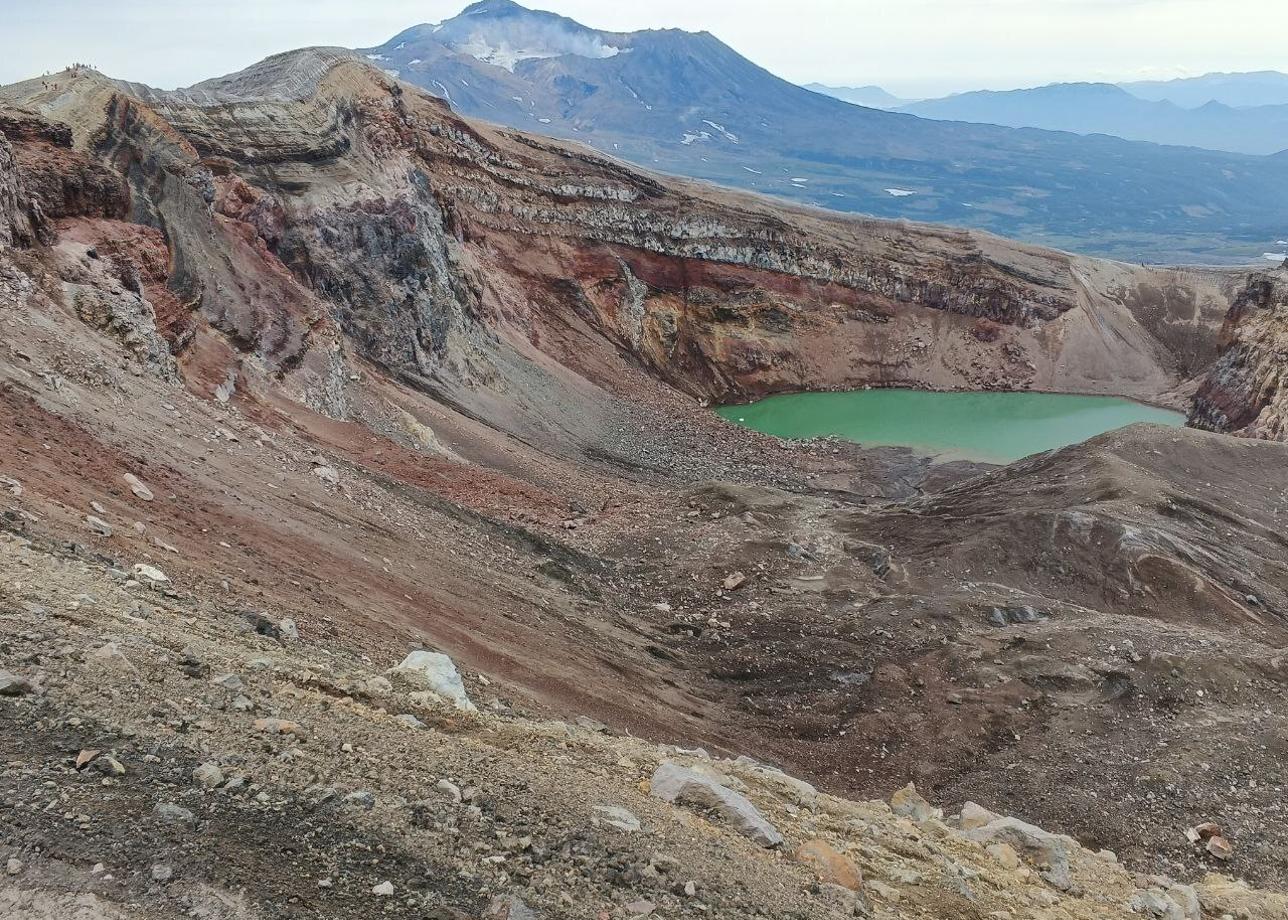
(729, 135)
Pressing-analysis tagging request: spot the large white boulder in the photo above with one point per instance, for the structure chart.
(437, 673)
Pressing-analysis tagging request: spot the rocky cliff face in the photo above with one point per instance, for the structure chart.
(21, 221)
(314, 208)
(1246, 392)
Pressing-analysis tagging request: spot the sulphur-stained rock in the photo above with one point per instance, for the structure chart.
(831, 866)
(908, 803)
(437, 673)
(974, 815)
(680, 785)
(1156, 904)
(1050, 853)
(796, 790)
(734, 581)
(278, 727)
(1005, 855)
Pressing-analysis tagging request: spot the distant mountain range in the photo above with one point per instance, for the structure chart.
(686, 103)
(874, 97)
(1102, 108)
(1241, 90)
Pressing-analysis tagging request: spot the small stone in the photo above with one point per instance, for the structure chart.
(98, 525)
(690, 889)
(327, 474)
(616, 817)
(734, 581)
(831, 866)
(384, 890)
(13, 866)
(1204, 831)
(109, 657)
(162, 873)
(13, 685)
(509, 907)
(1220, 847)
(641, 908)
(149, 573)
(278, 727)
(137, 487)
(409, 720)
(884, 892)
(85, 757)
(109, 765)
(208, 775)
(229, 682)
(172, 814)
(450, 788)
(325, 883)
(288, 631)
(361, 799)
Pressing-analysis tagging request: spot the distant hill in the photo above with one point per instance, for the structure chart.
(1102, 108)
(688, 104)
(1265, 87)
(874, 97)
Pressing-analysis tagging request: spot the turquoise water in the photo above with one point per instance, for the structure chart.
(986, 427)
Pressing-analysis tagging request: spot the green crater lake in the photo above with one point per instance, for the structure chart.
(984, 427)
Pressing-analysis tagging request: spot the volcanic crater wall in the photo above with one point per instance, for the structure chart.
(353, 212)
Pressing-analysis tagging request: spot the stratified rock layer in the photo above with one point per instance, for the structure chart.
(1246, 392)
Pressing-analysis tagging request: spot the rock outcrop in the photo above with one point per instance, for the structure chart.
(21, 221)
(1246, 391)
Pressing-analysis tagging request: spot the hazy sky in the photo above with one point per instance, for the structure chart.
(912, 47)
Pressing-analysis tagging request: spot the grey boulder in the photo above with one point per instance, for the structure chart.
(682, 786)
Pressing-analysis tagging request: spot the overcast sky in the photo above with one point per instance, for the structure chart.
(911, 47)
